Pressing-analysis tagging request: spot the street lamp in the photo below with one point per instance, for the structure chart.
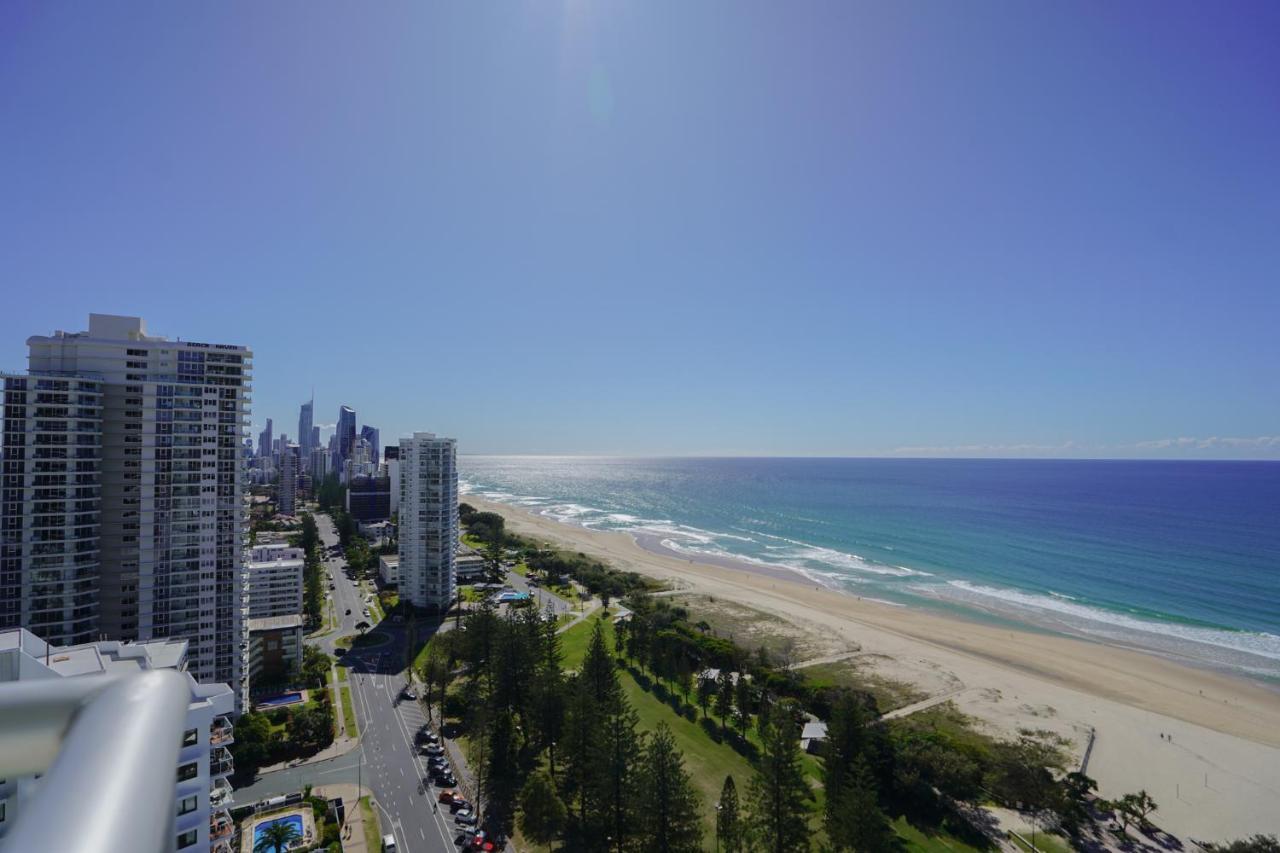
(718, 808)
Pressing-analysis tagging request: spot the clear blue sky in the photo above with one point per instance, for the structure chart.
(989, 228)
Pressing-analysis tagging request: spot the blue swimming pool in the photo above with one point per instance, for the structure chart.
(294, 819)
(282, 699)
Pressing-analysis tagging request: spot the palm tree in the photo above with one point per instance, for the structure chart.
(276, 838)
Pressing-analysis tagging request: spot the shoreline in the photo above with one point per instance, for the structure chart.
(1221, 768)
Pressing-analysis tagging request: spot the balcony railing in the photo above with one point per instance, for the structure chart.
(220, 794)
(220, 763)
(79, 731)
(221, 826)
(221, 733)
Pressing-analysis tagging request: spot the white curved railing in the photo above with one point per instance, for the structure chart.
(107, 747)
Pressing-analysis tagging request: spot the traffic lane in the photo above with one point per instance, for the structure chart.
(396, 771)
(289, 780)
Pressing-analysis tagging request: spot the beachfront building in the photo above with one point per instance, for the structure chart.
(428, 533)
(202, 796)
(127, 523)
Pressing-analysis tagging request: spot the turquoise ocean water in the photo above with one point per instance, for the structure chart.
(1179, 558)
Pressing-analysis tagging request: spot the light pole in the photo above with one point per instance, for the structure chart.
(718, 807)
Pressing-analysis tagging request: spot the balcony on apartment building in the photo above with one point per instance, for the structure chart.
(221, 732)
(220, 763)
(221, 796)
(221, 826)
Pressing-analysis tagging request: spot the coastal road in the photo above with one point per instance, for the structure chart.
(386, 761)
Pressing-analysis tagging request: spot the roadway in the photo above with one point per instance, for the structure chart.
(386, 762)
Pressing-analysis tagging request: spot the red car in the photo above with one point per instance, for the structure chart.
(446, 796)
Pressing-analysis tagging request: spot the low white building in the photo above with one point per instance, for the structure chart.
(389, 569)
(202, 796)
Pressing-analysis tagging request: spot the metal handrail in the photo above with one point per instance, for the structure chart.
(108, 748)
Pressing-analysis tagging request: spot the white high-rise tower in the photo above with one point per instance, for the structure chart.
(428, 520)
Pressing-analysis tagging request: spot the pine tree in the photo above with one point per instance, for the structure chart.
(668, 813)
(853, 818)
(778, 791)
(724, 697)
(729, 829)
(621, 757)
(542, 813)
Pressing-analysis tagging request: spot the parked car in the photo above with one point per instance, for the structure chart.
(433, 749)
(464, 817)
(458, 804)
(446, 796)
(448, 780)
(409, 694)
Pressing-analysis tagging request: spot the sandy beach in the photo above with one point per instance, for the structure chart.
(1215, 774)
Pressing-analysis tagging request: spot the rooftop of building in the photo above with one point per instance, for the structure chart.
(116, 327)
(106, 656)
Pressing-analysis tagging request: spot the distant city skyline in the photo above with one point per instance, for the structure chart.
(685, 229)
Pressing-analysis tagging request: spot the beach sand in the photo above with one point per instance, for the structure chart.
(1217, 777)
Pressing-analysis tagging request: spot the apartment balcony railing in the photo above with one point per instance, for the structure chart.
(220, 794)
(221, 826)
(220, 763)
(77, 732)
(221, 732)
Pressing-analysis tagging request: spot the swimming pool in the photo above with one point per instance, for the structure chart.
(294, 820)
(282, 699)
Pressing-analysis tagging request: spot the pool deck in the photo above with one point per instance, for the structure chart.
(249, 824)
(305, 694)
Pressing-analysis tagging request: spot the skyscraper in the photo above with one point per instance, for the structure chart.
(315, 437)
(370, 434)
(428, 520)
(345, 434)
(264, 440)
(304, 428)
(287, 491)
(146, 542)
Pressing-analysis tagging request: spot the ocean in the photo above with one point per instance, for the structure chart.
(1177, 558)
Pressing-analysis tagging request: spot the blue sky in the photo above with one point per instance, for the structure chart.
(991, 228)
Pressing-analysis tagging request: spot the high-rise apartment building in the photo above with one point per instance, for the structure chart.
(202, 796)
(428, 520)
(315, 437)
(287, 490)
(305, 414)
(152, 486)
(319, 464)
(51, 506)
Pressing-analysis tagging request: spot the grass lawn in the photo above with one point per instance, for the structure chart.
(342, 673)
(471, 595)
(349, 713)
(575, 641)
(468, 539)
(1044, 842)
(521, 569)
(918, 842)
(372, 832)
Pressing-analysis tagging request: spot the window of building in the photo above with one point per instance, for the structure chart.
(188, 771)
(187, 838)
(190, 737)
(188, 804)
